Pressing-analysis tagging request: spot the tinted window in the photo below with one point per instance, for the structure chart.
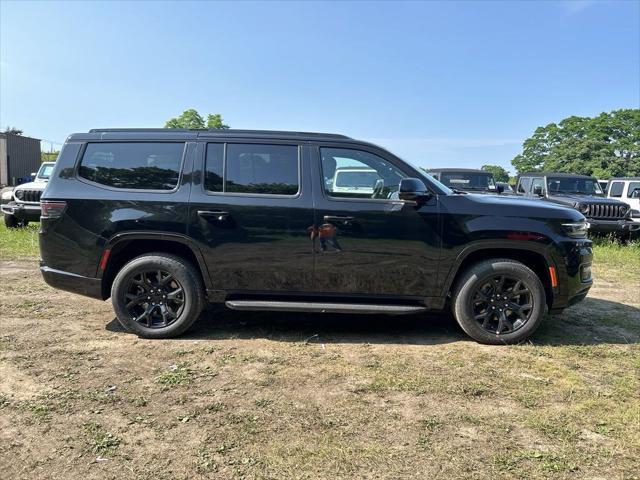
(523, 185)
(270, 169)
(616, 189)
(214, 167)
(588, 186)
(632, 187)
(537, 182)
(149, 166)
(468, 181)
(358, 174)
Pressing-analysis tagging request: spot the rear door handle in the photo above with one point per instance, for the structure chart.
(337, 218)
(217, 214)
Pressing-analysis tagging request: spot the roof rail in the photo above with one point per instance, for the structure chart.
(227, 131)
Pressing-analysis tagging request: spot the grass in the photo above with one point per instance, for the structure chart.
(19, 243)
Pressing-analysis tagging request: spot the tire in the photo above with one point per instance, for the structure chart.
(139, 289)
(478, 308)
(11, 221)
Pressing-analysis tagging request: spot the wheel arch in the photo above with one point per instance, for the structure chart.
(536, 260)
(125, 247)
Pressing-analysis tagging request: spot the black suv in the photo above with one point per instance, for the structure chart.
(163, 221)
(583, 193)
(467, 179)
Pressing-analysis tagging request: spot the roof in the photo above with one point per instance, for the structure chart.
(462, 170)
(623, 178)
(554, 174)
(13, 135)
(229, 132)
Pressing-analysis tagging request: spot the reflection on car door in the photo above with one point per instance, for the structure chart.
(371, 246)
(250, 210)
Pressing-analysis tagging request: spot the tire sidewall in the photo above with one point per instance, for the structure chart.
(182, 273)
(463, 310)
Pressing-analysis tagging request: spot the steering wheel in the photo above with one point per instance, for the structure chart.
(378, 188)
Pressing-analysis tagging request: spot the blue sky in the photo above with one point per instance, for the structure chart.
(440, 84)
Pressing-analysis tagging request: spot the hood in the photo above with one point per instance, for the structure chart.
(514, 206)
(572, 199)
(35, 185)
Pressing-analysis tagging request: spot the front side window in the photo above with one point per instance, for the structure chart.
(252, 168)
(523, 185)
(616, 189)
(537, 182)
(143, 166)
(351, 173)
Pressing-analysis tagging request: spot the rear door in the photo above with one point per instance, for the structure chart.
(371, 243)
(250, 210)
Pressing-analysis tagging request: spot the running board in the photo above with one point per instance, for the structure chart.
(322, 307)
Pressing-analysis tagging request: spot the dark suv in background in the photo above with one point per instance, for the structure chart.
(163, 221)
(583, 193)
(467, 180)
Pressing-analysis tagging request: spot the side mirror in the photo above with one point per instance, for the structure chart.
(413, 190)
(537, 190)
(500, 188)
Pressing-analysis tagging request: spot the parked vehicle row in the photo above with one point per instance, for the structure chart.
(21, 204)
(164, 221)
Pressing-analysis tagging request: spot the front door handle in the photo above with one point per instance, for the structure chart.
(219, 215)
(337, 218)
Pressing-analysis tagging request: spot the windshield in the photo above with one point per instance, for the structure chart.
(356, 179)
(468, 181)
(45, 171)
(586, 186)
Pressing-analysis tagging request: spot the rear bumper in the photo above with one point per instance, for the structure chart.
(71, 282)
(22, 211)
(612, 226)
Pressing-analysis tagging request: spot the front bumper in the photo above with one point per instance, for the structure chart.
(22, 211)
(612, 226)
(71, 282)
(574, 273)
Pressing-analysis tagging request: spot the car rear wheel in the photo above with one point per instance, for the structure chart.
(11, 221)
(499, 301)
(157, 295)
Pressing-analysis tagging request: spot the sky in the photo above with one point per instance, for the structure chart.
(438, 83)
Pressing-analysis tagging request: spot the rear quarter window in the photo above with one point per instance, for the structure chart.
(131, 165)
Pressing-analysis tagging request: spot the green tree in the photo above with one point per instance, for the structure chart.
(499, 173)
(49, 156)
(604, 146)
(193, 120)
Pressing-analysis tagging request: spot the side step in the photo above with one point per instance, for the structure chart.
(322, 307)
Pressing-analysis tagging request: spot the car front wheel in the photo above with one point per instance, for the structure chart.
(11, 221)
(499, 301)
(157, 295)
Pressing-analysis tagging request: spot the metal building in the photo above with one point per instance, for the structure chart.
(19, 157)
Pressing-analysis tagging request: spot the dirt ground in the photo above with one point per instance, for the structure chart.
(250, 395)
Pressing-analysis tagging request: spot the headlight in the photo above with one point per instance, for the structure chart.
(623, 210)
(19, 194)
(583, 208)
(576, 229)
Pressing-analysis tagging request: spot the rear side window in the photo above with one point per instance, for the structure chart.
(252, 168)
(142, 166)
(616, 189)
(633, 186)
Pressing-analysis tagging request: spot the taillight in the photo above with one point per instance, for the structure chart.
(51, 209)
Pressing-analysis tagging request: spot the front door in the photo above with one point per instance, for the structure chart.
(250, 210)
(368, 242)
